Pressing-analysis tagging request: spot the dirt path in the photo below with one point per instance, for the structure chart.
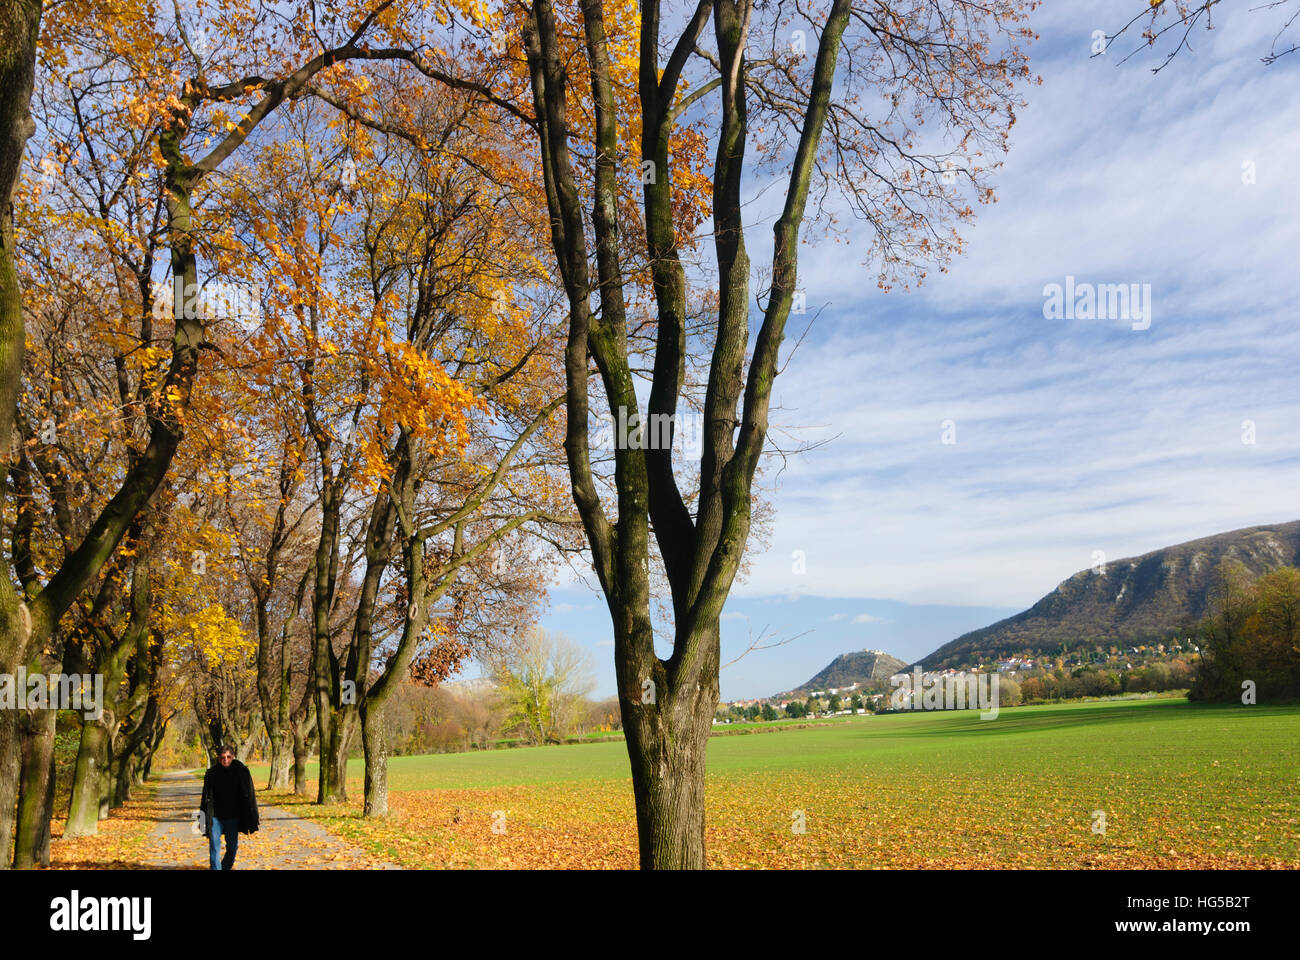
(283, 842)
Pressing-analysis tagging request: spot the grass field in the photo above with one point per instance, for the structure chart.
(1180, 785)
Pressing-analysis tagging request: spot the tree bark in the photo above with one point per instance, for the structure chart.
(667, 726)
(301, 754)
(302, 724)
(92, 755)
(133, 748)
(376, 747)
(20, 25)
(281, 760)
(36, 794)
(159, 731)
(10, 765)
(334, 759)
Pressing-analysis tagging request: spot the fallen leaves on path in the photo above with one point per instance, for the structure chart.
(118, 840)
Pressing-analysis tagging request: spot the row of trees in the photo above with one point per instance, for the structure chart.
(538, 692)
(1174, 674)
(794, 709)
(453, 720)
(1251, 639)
(366, 385)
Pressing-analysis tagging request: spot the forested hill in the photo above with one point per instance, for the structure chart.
(1135, 599)
(848, 668)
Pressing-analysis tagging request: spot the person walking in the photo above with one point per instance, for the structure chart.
(229, 805)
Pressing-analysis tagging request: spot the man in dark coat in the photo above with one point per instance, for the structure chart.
(229, 806)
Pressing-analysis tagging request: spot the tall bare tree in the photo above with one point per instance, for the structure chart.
(957, 60)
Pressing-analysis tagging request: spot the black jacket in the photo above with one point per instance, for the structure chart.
(248, 819)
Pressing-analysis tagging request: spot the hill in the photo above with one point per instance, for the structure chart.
(849, 668)
(1136, 599)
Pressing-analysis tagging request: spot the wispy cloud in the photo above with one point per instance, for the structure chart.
(1066, 436)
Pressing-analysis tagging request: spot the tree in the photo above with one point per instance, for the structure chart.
(1033, 689)
(933, 56)
(543, 683)
(427, 382)
(20, 25)
(1009, 692)
(1251, 635)
(1222, 633)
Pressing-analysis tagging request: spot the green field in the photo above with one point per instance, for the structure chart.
(1179, 784)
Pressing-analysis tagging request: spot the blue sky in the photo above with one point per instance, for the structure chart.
(1072, 436)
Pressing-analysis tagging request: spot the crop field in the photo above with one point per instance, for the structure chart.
(1121, 784)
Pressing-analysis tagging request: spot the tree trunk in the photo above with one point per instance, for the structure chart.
(10, 762)
(160, 730)
(124, 777)
(670, 801)
(303, 729)
(92, 756)
(36, 770)
(134, 748)
(104, 781)
(301, 754)
(334, 759)
(36, 793)
(282, 738)
(667, 741)
(281, 757)
(245, 748)
(376, 747)
(21, 27)
(327, 785)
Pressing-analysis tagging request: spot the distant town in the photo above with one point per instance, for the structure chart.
(1028, 678)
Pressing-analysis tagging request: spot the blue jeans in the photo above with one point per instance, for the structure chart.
(230, 827)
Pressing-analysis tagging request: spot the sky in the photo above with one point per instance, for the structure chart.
(1066, 437)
